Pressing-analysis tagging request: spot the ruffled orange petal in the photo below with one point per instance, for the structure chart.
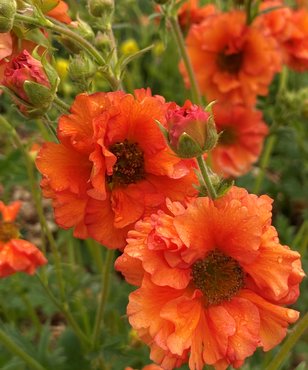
(69, 210)
(134, 120)
(246, 337)
(64, 168)
(274, 319)
(144, 312)
(99, 219)
(165, 163)
(131, 268)
(128, 204)
(210, 340)
(271, 270)
(184, 313)
(77, 128)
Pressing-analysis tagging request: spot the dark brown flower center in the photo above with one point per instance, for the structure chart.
(228, 136)
(218, 276)
(129, 167)
(8, 231)
(230, 63)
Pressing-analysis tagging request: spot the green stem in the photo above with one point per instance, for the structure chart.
(61, 104)
(283, 81)
(265, 159)
(83, 43)
(178, 36)
(66, 312)
(248, 12)
(103, 297)
(285, 349)
(206, 177)
(16, 350)
(38, 203)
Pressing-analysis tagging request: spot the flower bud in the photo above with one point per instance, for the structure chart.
(32, 82)
(83, 29)
(192, 130)
(81, 70)
(102, 42)
(101, 8)
(7, 14)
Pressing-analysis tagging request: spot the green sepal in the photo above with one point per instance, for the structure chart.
(187, 147)
(163, 130)
(223, 187)
(39, 95)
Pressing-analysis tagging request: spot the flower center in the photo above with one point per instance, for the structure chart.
(129, 167)
(8, 231)
(228, 136)
(230, 63)
(218, 276)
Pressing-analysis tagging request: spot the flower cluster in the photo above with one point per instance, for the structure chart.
(112, 165)
(235, 61)
(16, 254)
(212, 280)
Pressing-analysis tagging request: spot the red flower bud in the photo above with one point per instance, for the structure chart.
(32, 82)
(192, 130)
(24, 68)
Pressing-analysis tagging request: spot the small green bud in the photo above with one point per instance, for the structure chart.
(102, 42)
(81, 70)
(7, 14)
(101, 8)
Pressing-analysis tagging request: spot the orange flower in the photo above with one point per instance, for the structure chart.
(296, 45)
(290, 29)
(112, 165)
(232, 61)
(59, 12)
(212, 279)
(241, 141)
(16, 254)
(192, 13)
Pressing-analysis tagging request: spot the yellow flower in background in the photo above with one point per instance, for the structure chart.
(129, 46)
(62, 67)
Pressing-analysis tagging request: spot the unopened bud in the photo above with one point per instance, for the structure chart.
(102, 42)
(33, 83)
(81, 70)
(192, 130)
(7, 14)
(101, 8)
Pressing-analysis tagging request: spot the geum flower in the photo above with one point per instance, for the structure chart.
(290, 30)
(191, 12)
(112, 165)
(16, 254)
(242, 132)
(212, 278)
(232, 61)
